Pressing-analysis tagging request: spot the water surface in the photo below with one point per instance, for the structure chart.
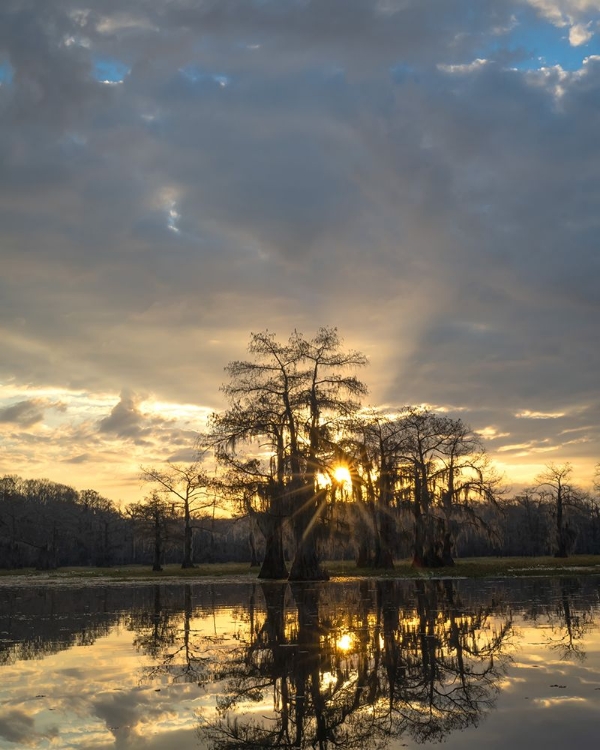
(362, 664)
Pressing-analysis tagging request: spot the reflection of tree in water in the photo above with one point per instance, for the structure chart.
(570, 619)
(38, 621)
(403, 658)
(328, 664)
(167, 636)
(448, 659)
(297, 662)
(155, 628)
(565, 607)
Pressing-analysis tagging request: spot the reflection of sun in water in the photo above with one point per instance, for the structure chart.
(345, 642)
(341, 475)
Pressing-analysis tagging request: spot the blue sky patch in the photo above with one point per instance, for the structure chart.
(403, 72)
(108, 70)
(6, 73)
(534, 43)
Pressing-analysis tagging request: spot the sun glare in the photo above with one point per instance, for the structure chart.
(341, 475)
(345, 642)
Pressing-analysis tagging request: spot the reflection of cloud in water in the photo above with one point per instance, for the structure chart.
(110, 695)
(510, 683)
(19, 727)
(74, 672)
(554, 702)
(98, 699)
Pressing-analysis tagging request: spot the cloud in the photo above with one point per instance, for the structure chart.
(128, 421)
(562, 12)
(526, 414)
(491, 433)
(25, 413)
(80, 459)
(362, 167)
(125, 419)
(28, 413)
(184, 455)
(580, 34)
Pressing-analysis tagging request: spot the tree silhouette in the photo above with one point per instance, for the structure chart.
(277, 438)
(185, 487)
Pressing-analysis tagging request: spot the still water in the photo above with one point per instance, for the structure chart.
(363, 664)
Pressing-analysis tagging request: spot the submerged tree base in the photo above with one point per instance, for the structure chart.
(311, 573)
(431, 561)
(268, 573)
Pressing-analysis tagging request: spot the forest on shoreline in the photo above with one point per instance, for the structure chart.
(46, 525)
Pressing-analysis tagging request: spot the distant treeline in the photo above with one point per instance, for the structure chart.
(45, 525)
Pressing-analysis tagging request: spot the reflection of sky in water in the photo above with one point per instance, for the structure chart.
(545, 701)
(94, 696)
(110, 694)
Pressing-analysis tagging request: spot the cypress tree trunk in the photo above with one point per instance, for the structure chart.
(157, 543)
(273, 567)
(254, 561)
(560, 531)
(188, 551)
(447, 558)
(306, 565)
(384, 541)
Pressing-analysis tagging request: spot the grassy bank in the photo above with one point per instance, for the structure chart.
(480, 567)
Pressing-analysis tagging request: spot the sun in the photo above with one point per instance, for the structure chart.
(345, 643)
(342, 475)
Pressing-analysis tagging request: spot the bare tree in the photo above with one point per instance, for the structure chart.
(154, 513)
(554, 486)
(328, 397)
(442, 474)
(186, 488)
(278, 436)
(372, 455)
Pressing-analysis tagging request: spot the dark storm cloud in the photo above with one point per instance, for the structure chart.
(293, 164)
(525, 307)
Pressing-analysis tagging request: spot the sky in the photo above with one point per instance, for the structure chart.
(422, 174)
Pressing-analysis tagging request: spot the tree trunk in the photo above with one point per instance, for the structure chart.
(560, 532)
(254, 561)
(157, 543)
(363, 559)
(447, 558)
(418, 549)
(447, 543)
(384, 540)
(273, 567)
(188, 550)
(365, 533)
(306, 565)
